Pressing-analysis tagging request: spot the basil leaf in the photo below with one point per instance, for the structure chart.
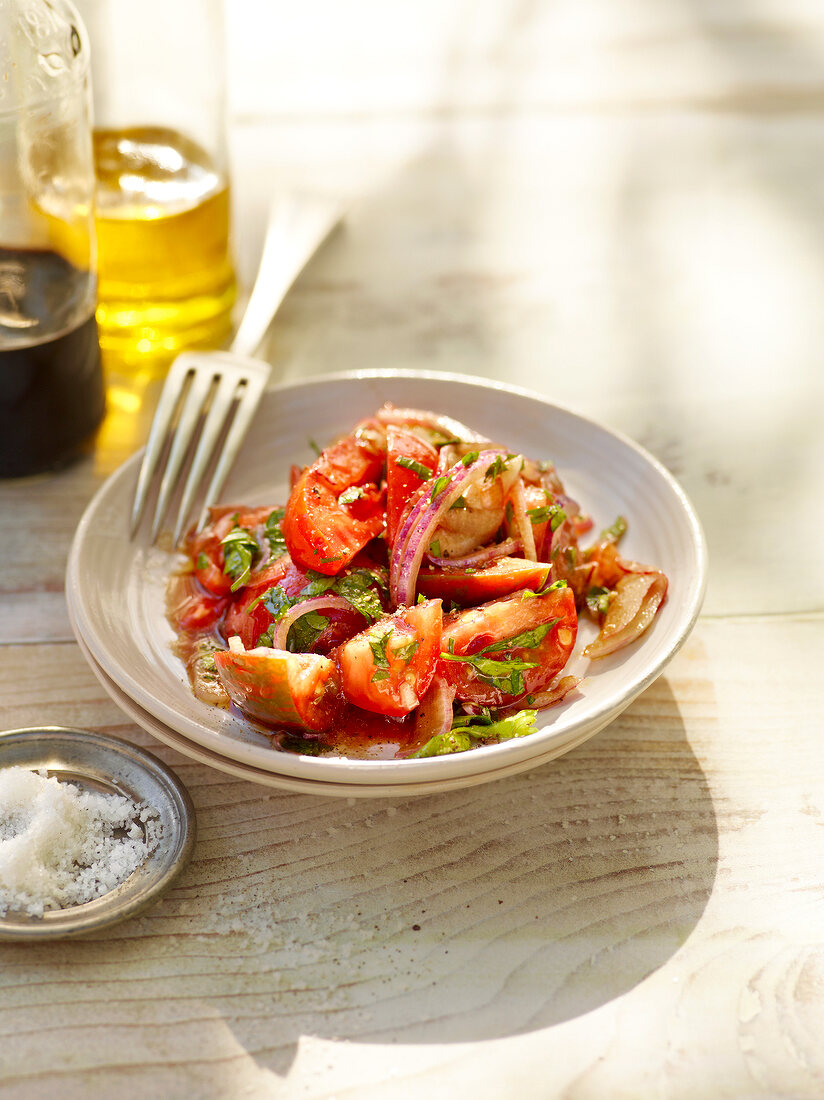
(439, 486)
(469, 729)
(274, 534)
(305, 631)
(239, 550)
(442, 744)
(598, 600)
(378, 646)
(202, 562)
(468, 459)
(616, 532)
(276, 602)
(350, 495)
(358, 588)
(416, 467)
(407, 652)
(505, 674)
(528, 639)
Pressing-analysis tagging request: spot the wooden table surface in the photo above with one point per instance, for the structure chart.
(619, 206)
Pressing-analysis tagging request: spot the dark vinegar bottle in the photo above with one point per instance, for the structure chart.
(51, 383)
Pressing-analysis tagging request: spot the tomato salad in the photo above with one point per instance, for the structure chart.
(419, 594)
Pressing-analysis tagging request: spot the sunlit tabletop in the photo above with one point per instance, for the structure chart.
(621, 208)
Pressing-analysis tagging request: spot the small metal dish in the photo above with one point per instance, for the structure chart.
(108, 765)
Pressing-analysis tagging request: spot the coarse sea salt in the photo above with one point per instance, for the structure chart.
(61, 845)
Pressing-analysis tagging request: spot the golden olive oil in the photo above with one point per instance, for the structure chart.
(166, 281)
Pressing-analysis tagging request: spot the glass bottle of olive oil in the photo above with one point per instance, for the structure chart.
(166, 281)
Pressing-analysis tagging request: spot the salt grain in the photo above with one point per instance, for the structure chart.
(62, 846)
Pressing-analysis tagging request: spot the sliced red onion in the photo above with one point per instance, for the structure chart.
(637, 599)
(424, 419)
(483, 556)
(412, 540)
(318, 603)
(521, 520)
(434, 713)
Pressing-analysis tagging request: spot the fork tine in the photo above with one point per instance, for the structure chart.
(192, 408)
(212, 427)
(249, 401)
(172, 391)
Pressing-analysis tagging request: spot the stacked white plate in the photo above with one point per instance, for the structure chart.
(116, 587)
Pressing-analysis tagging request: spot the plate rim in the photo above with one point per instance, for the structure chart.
(367, 771)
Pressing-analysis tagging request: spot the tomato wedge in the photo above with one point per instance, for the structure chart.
(321, 532)
(504, 576)
(281, 689)
(504, 650)
(389, 667)
(404, 449)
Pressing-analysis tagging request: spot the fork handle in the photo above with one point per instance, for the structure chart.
(296, 229)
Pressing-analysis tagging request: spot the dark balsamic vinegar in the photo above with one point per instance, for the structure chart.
(51, 383)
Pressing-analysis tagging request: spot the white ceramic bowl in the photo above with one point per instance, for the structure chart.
(115, 588)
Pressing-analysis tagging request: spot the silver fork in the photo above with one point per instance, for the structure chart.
(204, 386)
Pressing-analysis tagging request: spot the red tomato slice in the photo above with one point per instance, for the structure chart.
(389, 667)
(467, 633)
(282, 689)
(402, 482)
(320, 532)
(499, 579)
(205, 549)
(190, 608)
(537, 498)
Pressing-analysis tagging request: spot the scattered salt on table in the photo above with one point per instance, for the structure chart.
(61, 845)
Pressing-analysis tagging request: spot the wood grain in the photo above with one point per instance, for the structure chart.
(672, 861)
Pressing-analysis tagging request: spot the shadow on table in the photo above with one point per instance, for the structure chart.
(477, 914)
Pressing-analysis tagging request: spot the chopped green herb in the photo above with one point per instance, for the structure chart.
(616, 532)
(274, 534)
(504, 673)
(406, 652)
(328, 561)
(528, 639)
(509, 512)
(314, 447)
(239, 550)
(571, 555)
(442, 744)
(350, 495)
(435, 548)
(416, 467)
(598, 600)
(497, 467)
(468, 459)
(276, 602)
(439, 486)
(460, 502)
(358, 588)
(378, 646)
(305, 631)
(202, 562)
(467, 730)
(552, 512)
